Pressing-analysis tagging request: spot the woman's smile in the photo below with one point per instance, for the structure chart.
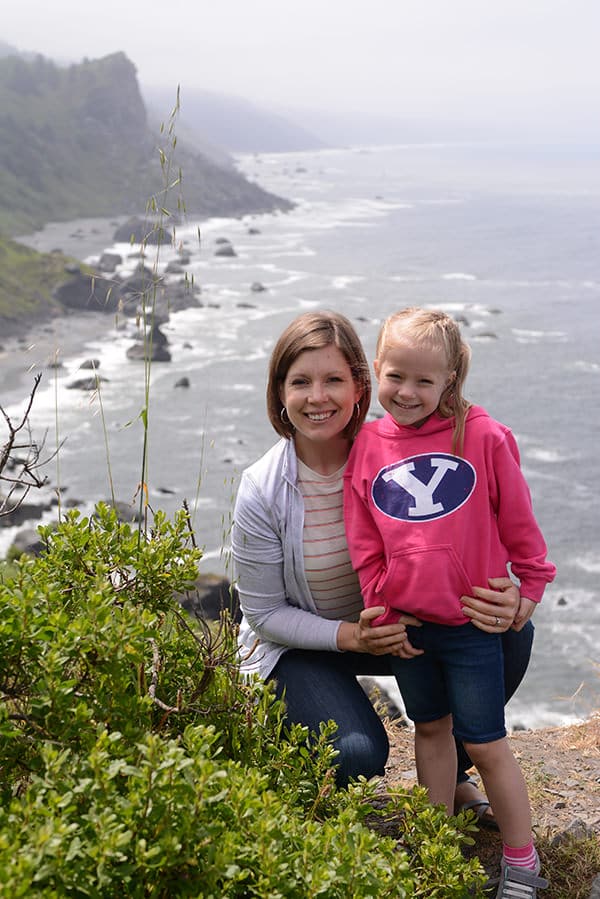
(320, 416)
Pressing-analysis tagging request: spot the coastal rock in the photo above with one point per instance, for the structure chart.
(257, 287)
(225, 249)
(154, 348)
(90, 363)
(27, 541)
(86, 292)
(137, 230)
(183, 382)
(126, 512)
(139, 352)
(141, 281)
(86, 383)
(108, 262)
(174, 268)
(23, 512)
(576, 830)
(211, 595)
(180, 295)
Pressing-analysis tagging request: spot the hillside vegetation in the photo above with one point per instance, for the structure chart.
(27, 280)
(75, 142)
(135, 761)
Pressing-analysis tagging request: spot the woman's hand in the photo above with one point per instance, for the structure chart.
(497, 609)
(526, 609)
(360, 636)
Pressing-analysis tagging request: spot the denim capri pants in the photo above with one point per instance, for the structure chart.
(460, 673)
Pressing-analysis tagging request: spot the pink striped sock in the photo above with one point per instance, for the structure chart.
(521, 856)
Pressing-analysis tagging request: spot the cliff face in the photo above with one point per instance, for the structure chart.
(75, 142)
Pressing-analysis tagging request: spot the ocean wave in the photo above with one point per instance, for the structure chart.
(340, 282)
(459, 276)
(588, 563)
(541, 454)
(588, 368)
(529, 336)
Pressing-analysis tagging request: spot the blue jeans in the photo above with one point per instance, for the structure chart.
(322, 686)
(461, 673)
(516, 649)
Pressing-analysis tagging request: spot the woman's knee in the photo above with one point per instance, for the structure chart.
(360, 754)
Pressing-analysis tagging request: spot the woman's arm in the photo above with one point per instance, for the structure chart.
(258, 558)
(258, 561)
(360, 636)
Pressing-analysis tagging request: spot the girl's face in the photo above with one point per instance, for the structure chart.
(319, 394)
(411, 381)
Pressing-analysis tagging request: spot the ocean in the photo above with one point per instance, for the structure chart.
(506, 238)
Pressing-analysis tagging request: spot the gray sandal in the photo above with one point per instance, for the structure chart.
(519, 883)
(479, 807)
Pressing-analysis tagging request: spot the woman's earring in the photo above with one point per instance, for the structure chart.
(285, 420)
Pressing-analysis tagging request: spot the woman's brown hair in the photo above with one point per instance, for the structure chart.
(433, 328)
(314, 331)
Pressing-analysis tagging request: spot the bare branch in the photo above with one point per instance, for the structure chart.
(24, 470)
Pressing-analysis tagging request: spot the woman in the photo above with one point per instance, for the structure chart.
(304, 625)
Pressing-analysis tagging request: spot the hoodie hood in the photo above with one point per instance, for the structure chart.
(435, 424)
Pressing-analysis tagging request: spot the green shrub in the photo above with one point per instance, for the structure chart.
(135, 761)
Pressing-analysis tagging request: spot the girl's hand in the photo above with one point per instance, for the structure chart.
(360, 636)
(494, 610)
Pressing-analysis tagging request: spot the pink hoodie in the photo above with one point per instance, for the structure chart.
(425, 525)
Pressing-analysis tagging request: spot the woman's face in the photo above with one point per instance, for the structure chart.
(319, 394)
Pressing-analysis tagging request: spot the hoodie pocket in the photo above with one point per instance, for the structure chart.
(426, 582)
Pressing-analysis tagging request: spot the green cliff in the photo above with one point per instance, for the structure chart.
(75, 142)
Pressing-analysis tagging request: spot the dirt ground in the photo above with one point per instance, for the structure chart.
(562, 769)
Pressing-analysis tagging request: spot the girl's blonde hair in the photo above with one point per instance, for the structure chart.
(432, 328)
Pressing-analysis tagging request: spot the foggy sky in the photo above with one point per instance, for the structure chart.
(515, 59)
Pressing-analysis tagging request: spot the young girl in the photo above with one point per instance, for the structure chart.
(435, 502)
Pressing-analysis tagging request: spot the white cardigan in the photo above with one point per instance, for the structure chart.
(278, 609)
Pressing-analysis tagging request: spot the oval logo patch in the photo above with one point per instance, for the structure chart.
(423, 487)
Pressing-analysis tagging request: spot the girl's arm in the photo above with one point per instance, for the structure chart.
(517, 525)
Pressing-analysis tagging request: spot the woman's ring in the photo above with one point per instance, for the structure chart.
(497, 621)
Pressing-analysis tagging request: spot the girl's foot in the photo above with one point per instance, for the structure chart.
(468, 796)
(519, 882)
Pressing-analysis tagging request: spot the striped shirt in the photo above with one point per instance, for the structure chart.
(331, 578)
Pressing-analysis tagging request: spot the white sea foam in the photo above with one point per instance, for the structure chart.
(586, 367)
(340, 282)
(542, 454)
(458, 276)
(529, 336)
(588, 563)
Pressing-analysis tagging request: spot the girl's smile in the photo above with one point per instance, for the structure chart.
(411, 381)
